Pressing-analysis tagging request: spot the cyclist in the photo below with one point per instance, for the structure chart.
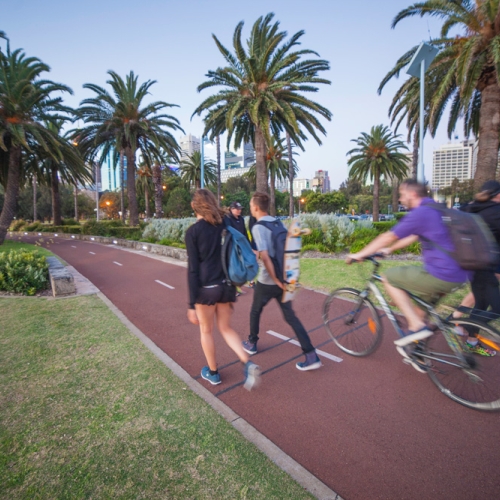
(210, 297)
(439, 275)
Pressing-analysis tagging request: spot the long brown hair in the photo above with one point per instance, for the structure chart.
(205, 204)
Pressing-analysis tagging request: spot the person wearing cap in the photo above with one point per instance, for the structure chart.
(485, 292)
(236, 220)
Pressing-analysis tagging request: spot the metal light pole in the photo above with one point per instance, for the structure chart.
(419, 64)
(202, 173)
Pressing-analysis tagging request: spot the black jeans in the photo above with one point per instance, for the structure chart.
(486, 294)
(261, 296)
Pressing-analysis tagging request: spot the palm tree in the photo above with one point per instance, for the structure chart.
(217, 145)
(121, 122)
(145, 184)
(469, 66)
(263, 91)
(156, 170)
(70, 169)
(277, 166)
(378, 154)
(190, 170)
(26, 103)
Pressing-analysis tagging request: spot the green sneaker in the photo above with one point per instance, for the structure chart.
(480, 349)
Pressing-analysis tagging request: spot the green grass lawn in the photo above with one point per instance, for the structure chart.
(329, 274)
(19, 245)
(86, 411)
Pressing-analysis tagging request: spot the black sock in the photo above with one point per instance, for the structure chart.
(213, 372)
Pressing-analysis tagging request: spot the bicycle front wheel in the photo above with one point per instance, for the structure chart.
(352, 322)
(464, 376)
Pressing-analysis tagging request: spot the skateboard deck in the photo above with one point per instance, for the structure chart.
(291, 267)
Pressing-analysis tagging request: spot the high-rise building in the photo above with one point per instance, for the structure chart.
(237, 162)
(321, 181)
(189, 144)
(453, 161)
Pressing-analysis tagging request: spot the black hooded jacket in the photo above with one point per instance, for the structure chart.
(237, 223)
(490, 212)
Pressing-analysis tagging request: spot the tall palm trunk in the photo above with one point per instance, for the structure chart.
(272, 192)
(488, 140)
(260, 161)
(76, 202)
(11, 191)
(414, 160)
(35, 215)
(158, 189)
(122, 187)
(395, 195)
(290, 174)
(376, 191)
(146, 199)
(56, 198)
(217, 143)
(131, 191)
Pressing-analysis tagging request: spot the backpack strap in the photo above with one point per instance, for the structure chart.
(226, 235)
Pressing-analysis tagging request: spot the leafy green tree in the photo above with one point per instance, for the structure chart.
(121, 122)
(190, 170)
(465, 72)
(236, 184)
(377, 154)
(27, 102)
(263, 91)
(179, 203)
(325, 203)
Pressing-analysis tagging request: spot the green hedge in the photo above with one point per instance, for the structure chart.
(382, 227)
(23, 271)
(128, 233)
(17, 225)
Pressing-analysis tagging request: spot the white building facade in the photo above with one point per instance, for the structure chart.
(453, 161)
(189, 144)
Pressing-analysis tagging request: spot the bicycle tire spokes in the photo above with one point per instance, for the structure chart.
(465, 377)
(352, 322)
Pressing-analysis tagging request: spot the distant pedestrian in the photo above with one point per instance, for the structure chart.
(236, 220)
(270, 287)
(210, 297)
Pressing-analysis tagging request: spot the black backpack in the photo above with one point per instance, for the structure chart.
(475, 246)
(279, 234)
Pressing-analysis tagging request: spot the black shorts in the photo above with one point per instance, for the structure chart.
(217, 294)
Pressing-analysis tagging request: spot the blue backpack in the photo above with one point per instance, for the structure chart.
(279, 234)
(238, 259)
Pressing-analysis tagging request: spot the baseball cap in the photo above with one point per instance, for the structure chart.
(493, 188)
(235, 204)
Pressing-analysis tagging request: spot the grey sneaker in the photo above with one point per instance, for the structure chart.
(249, 347)
(312, 362)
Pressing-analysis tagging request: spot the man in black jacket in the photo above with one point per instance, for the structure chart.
(235, 219)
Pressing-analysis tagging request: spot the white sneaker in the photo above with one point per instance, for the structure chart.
(422, 334)
(409, 361)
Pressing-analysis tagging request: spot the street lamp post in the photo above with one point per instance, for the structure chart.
(419, 64)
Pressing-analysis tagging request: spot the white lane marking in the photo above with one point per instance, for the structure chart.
(73, 246)
(117, 263)
(295, 342)
(164, 284)
(93, 253)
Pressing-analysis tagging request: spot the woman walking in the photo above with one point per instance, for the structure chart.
(210, 297)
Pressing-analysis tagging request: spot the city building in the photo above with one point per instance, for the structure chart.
(237, 163)
(110, 174)
(321, 181)
(299, 185)
(453, 161)
(188, 144)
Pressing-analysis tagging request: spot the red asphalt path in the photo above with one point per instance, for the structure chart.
(369, 428)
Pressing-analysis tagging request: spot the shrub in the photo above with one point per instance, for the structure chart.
(382, 227)
(335, 231)
(17, 225)
(23, 271)
(170, 243)
(400, 215)
(70, 222)
(33, 226)
(315, 248)
(128, 233)
(173, 230)
(72, 229)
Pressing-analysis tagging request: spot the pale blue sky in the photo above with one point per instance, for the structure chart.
(170, 41)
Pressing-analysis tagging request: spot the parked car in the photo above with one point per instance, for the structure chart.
(353, 217)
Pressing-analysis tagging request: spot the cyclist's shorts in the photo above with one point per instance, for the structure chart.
(419, 282)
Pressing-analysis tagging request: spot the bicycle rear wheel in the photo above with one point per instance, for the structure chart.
(352, 322)
(469, 379)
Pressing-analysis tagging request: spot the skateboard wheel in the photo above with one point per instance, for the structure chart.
(296, 232)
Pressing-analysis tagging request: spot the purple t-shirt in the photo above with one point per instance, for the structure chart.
(425, 221)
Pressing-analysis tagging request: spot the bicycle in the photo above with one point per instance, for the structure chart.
(354, 325)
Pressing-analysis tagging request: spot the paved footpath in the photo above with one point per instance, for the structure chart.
(369, 428)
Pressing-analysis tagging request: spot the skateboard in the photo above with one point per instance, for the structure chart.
(291, 265)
